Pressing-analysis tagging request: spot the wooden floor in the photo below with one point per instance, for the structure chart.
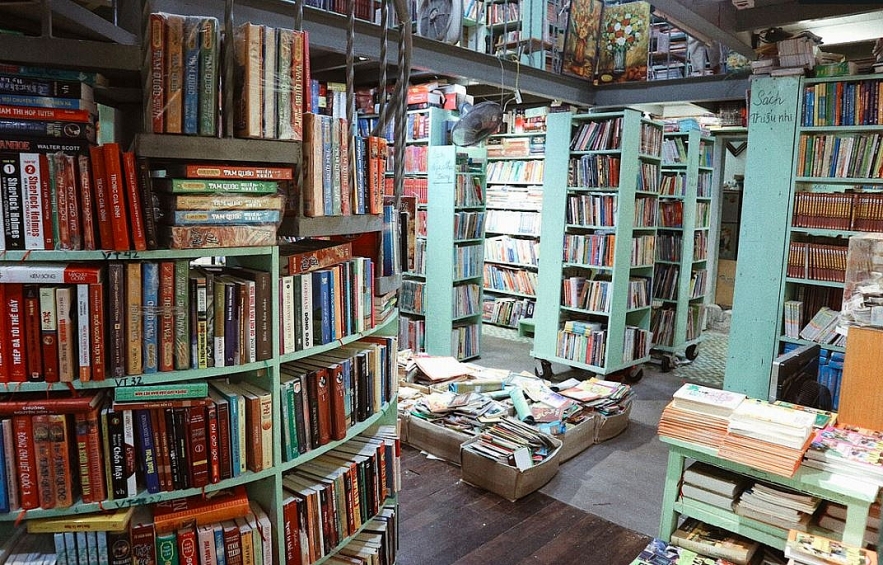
(447, 522)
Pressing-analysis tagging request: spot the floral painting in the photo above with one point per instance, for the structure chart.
(624, 42)
(581, 43)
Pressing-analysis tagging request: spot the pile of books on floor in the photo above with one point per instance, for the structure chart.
(699, 415)
(777, 506)
(714, 542)
(659, 552)
(848, 450)
(810, 549)
(513, 443)
(712, 485)
(767, 436)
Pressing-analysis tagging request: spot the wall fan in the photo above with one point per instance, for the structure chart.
(477, 124)
(441, 20)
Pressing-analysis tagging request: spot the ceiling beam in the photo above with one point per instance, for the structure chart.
(763, 17)
(696, 90)
(706, 22)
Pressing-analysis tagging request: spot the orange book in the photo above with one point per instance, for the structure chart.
(116, 197)
(43, 460)
(62, 479)
(102, 206)
(220, 505)
(133, 198)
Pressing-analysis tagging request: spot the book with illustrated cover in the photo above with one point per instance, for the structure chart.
(714, 542)
(810, 549)
(707, 400)
(659, 552)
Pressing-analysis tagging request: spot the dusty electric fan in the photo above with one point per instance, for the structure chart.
(441, 20)
(477, 124)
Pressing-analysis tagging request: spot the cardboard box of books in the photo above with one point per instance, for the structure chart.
(437, 440)
(505, 480)
(578, 437)
(611, 426)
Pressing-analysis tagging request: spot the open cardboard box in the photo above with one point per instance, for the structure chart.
(437, 440)
(611, 426)
(505, 480)
(578, 438)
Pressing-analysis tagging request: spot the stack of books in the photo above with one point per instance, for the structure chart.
(822, 328)
(714, 542)
(848, 450)
(513, 443)
(202, 205)
(832, 516)
(659, 552)
(809, 549)
(767, 436)
(699, 415)
(777, 506)
(712, 485)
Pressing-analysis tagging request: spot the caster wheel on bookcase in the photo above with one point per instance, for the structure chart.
(667, 363)
(633, 375)
(692, 352)
(545, 370)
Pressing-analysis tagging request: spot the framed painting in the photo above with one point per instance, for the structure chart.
(581, 40)
(624, 42)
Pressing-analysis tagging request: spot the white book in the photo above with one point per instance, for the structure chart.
(205, 536)
(306, 310)
(286, 293)
(32, 200)
(265, 530)
(83, 326)
(707, 400)
(63, 306)
(129, 442)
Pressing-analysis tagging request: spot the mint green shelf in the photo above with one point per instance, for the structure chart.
(294, 356)
(813, 282)
(155, 255)
(524, 158)
(508, 292)
(511, 264)
(839, 180)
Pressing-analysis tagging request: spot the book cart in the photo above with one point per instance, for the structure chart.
(514, 179)
(600, 199)
(264, 486)
(680, 276)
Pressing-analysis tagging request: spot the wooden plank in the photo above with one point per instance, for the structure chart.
(861, 404)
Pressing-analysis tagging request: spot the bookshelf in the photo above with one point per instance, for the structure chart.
(600, 198)
(511, 29)
(835, 194)
(514, 204)
(680, 275)
(667, 57)
(448, 296)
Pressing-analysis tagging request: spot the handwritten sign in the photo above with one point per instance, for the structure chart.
(770, 106)
(442, 167)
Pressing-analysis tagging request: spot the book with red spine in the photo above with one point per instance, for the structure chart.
(116, 196)
(102, 202)
(218, 506)
(96, 332)
(50, 273)
(32, 199)
(87, 202)
(143, 537)
(88, 436)
(198, 446)
(188, 550)
(166, 316)
(32, 337)
(63, 483)
(43, 458)
(25, 456)
(242, 172)
(213, 443)
(232, 543)
(4, 342)
(223, 408)
(46, 198)
(14, 306)
(155, 91)
(48, 334)
(133, 198)
(64, 304)
(41, 113)
(298, 86)
(308, 90)
(32, 403)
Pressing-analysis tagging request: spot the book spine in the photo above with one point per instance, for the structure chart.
(148, 205)
(64, 303)
(220, 546)
(199, 454)
(206, 542)
(32, 86)
(143, 543)
(83, 337)
(161, 441)
(182, 315)
(208, 77)
(49, 334)
(155, 90)
(116, 194)
(62, 478)
(10, 463)
(43, 113)
(32, 200)
(284, 43)
(190, 122)
(102, 201)
(87, 202)
(11, 203)
(269, 84)
(134, 314)
(25, 453)
(188, 547)
(68, 183)
(147, 450)
(166, 548)
(150, 331)
(117, 319)
(90, 456)
(213, 448)
(200, 354)
(174, 68)
(135, 205)
(119, 545)
(31, 334)
(43, 458)
(49, 102)
(224, 447)
(47, 128)
(232, 543)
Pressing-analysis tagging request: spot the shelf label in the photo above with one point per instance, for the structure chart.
(116, 255)
(129, 381)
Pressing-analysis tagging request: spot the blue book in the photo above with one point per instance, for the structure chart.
(208, 76)
(4, 484)
(147, 450)
(191, 75)
(220, 547)
(361, 188)
(60, 550)
(82, 547)
(314, 96)
(237, 455)
(322, 310)
(150, 329)
(48, 102)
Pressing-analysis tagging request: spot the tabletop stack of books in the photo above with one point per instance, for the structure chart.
(712, 485)
(777, 506)
(848, 450)
(699, 415)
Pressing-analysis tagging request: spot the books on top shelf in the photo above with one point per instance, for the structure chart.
(714, 542)
(852, 451)
(811, 549)
(699, 414)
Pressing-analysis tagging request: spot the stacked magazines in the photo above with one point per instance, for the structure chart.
(514, 443)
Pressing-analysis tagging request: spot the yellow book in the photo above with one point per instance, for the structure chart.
(115, 521)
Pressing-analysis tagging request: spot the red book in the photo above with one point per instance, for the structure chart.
(337, 402)
(297, 85)
(27, 403)
(167, 316)
(32, 338)
(221, 505)
(102, 204)
(133, 197)
(116, 196)
(48, 114)
(43, 459)
(143, 538)
(198, 447)
(46, 197)
(223, 436)
(161, 441)
(87, 204)
(188, 550)
(214, 449)
(60, 460)
(91, 458)
(308, 91)
(4, 342)
(232, 543)
(207, 171)
(49, 334)
(156, 81)
(14, 306)
(292, 531)
(96, 331)
(27, 463)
